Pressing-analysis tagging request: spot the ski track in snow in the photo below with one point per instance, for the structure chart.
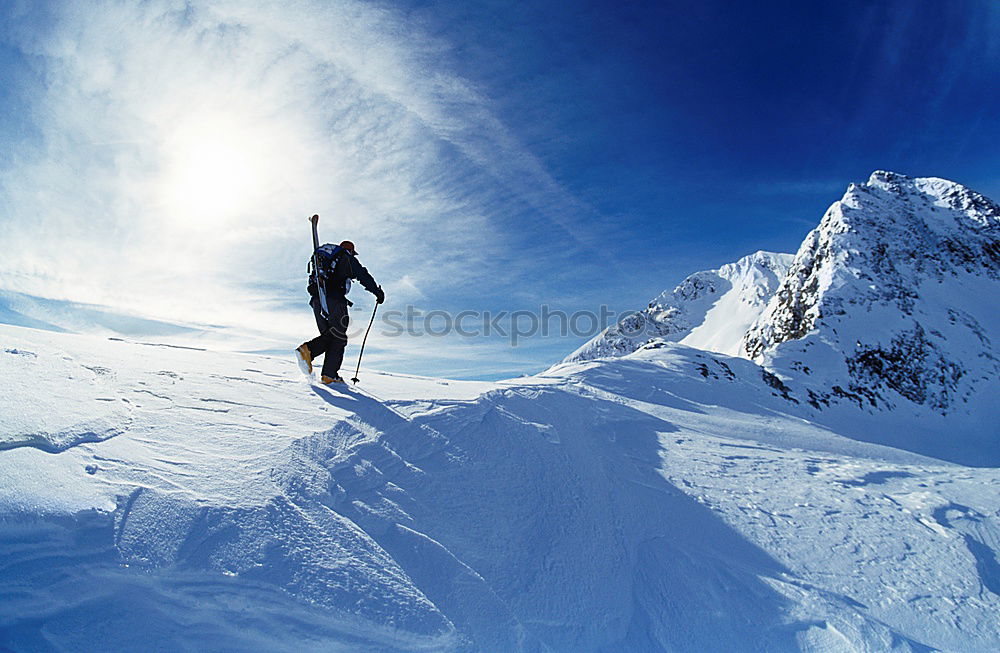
(166, 498)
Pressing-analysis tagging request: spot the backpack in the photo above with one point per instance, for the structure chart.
(321, 267)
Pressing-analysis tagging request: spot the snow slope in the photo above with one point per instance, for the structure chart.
(709, 310)
(161, 498)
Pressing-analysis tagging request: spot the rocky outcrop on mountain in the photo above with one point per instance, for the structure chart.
(888, 299)
(708, 310)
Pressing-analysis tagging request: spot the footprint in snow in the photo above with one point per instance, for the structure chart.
(21, 352)
(874, 478)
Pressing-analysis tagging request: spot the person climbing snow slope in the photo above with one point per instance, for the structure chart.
(332, 267)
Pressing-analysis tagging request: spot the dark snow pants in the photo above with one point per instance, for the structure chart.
(332, 338)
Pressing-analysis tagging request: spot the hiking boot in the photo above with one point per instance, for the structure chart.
(305, 360)
(327, 380)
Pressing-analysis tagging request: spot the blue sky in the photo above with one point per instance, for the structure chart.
(483, 155)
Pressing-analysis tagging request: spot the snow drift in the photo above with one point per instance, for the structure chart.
(668, 500)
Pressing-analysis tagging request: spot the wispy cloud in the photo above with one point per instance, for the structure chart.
(178, 148)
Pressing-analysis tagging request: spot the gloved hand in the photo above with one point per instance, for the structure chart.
(379, 295)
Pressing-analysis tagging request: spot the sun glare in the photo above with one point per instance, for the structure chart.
(215, 169)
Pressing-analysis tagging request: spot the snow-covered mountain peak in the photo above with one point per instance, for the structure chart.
(889, 287)
(751, 273)
(938, 205)
(886, 179)
(759, 259)
(947, 194)
(882, 304)
(758, 265)
(709, 310)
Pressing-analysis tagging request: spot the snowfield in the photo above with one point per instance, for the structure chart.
(790, 453)
(159, 498)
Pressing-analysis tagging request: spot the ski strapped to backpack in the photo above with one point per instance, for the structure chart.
(321, 266)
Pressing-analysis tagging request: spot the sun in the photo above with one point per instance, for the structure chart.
(214, 168)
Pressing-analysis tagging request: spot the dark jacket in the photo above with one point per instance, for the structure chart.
(347, 267)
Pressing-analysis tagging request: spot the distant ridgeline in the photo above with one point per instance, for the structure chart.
(890, 301)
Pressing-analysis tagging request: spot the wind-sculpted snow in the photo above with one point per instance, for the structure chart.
(581, 568)
(35, 414)
(672, 499)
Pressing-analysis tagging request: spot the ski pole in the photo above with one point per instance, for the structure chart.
(362, 353)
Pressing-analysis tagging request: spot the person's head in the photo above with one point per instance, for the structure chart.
(349, 246)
